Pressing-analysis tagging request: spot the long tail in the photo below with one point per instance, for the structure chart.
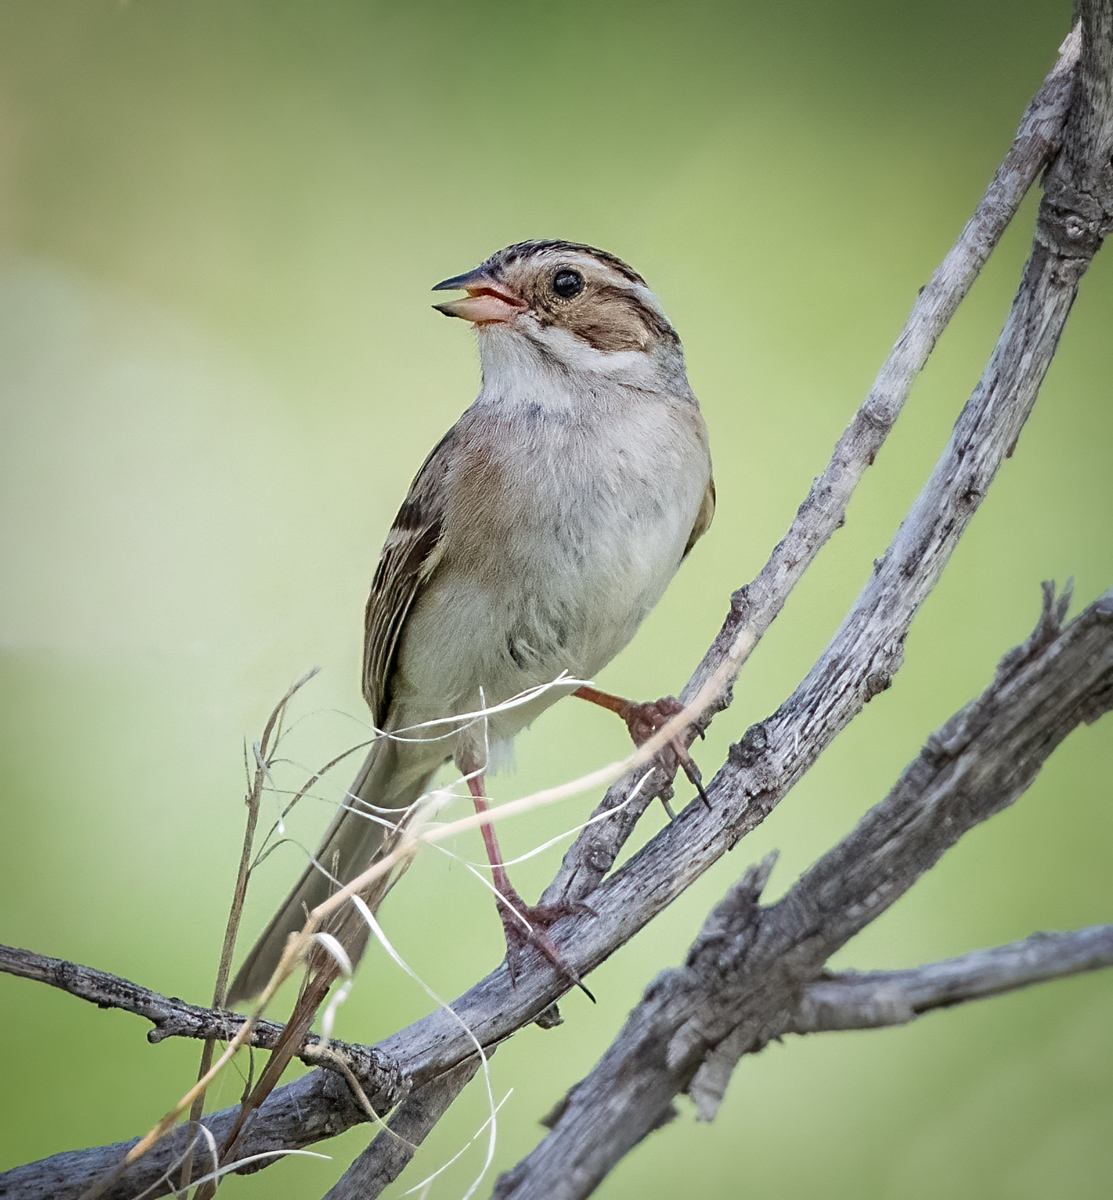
(393, 776)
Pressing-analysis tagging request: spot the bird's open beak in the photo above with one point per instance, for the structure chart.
(486, 301)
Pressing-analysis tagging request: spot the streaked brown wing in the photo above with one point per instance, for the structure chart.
(411, 552)
(703, 517)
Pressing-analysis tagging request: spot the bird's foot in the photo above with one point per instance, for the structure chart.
(644, 720)
(525, 924)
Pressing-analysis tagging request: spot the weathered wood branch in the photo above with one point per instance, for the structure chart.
(748, 976)
(378, 1076)
(317, 1106)
(833, 1002)
(389, 1154)
(875, 999)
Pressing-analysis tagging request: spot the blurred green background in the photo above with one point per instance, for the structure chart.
(219, 371)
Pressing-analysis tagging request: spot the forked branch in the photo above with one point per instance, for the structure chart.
(748, 977)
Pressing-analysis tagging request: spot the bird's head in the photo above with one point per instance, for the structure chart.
(569, 307)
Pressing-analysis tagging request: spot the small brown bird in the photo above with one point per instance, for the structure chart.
(538, 534)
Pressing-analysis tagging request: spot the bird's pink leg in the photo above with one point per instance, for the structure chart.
(521, 922)
(491, 841)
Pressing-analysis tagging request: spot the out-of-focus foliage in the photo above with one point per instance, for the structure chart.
(219, 370)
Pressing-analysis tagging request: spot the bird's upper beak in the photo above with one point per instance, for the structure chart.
(486, 301)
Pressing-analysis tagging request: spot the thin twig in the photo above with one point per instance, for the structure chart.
(263, 750)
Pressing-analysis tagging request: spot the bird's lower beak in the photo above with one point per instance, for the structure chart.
(486, 301)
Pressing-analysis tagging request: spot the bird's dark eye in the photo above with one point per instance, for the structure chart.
(568, 283)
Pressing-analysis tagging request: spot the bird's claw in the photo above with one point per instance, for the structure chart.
(644, 720)
(525, 924)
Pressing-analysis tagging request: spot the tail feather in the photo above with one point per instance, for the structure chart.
(348, 848)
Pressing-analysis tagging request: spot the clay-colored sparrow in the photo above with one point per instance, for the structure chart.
(539, 533)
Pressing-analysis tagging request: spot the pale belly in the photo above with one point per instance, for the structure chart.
(557, 585)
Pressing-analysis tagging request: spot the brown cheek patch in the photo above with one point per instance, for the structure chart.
(609, 319)
(609, 336)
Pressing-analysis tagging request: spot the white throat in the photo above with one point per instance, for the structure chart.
(531, 363)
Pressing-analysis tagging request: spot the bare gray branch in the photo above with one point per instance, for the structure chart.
(874, 999)
(390, 1153)
(749, 973)
(171, 1017)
